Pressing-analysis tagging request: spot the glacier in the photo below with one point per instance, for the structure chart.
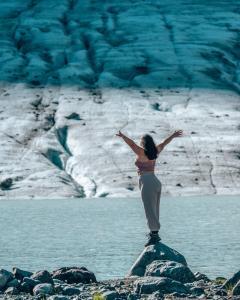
(72, 73)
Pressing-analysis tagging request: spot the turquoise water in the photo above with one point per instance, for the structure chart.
(106, 235)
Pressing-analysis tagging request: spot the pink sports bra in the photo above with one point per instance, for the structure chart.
(145, 166)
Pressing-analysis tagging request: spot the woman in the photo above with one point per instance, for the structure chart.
(149, 184)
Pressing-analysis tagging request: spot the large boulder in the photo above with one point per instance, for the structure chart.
(231, 282)
(43, 276)
(170, 269)
(25, 288)
(30, 283)
(150, 284)
(151, 253)
(5, 276)
(20, 274)
(13, 283)
(74, 275)
(43, 289)
(236, 289)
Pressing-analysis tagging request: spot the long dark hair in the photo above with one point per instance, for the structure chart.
(149, 146)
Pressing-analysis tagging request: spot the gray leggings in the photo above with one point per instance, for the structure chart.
(151, 187)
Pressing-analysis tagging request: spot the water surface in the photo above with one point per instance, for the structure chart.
(106, 235)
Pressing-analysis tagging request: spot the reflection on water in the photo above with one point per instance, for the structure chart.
(106, 235)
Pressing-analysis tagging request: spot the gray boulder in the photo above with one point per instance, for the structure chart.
(170, 269)
(232, 281)
(20, 274)
(150, 284)
(74, 275)
(43, 277)
(158, 251)
(43, 289)
(5, 276)
(236, 289)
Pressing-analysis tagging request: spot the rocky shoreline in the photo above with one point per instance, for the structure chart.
(160, 272)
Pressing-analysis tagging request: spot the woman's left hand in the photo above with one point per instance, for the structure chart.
(177, 133)
(119, 133)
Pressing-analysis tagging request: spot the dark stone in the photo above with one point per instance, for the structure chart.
(20, 274)
(43, 289)
(156, 296)
(200, 276)
(158, 251)
(232, 281)
(57, 281)
(25, 288)
(69, 291)
(149, 285)
(58, 288)
(6, 184)
(110, 295)
(156, 106)
(197, 291)
(236, 289)
(73, 116)
(31, 282)
(178, 295)
(13, 283)
(12, 291)
(220, 292)
(43, 276)
(58, 297)
(132, 297)
(170, 269)
(74, 275)
(5, 276)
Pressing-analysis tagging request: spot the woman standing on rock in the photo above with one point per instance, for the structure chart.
(149, 184)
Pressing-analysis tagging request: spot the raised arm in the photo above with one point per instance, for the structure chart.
(176, 133)
(136, 149)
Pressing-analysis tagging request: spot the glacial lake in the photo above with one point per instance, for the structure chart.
(106, 235)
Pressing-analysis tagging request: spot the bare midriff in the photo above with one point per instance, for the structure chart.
(145, 166)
